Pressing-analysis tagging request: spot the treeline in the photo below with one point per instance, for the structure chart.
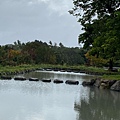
(38, 52)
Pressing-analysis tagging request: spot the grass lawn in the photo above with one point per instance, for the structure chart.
(111, 77)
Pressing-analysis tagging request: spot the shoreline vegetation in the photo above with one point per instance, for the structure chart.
(103, 73)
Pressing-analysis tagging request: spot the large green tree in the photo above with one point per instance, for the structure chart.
(86, 10)
(101, 24)
(103, 40)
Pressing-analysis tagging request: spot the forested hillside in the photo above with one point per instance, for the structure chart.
(38, 52)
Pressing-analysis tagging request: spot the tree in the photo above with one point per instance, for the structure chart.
(61, 45)
(103, 40)
(17, 45)
(50, 42)
(101, 21)
(86, 10)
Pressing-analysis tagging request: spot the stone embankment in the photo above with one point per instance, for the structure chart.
(103, 84)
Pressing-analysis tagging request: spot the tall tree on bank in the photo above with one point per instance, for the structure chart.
(101, 22)
(86, 10)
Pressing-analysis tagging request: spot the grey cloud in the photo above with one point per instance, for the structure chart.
(37, 19)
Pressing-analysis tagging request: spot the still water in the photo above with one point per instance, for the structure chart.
(28, 100)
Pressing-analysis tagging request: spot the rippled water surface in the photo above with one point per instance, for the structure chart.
(28, 100)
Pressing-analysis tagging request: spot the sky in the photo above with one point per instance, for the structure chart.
(45, 20)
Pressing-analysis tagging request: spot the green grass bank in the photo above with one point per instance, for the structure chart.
(7, 70)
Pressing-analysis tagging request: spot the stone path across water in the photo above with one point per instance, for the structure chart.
(57, 81)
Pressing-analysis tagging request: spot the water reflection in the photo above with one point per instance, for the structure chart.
(30, 100)
(98, 105)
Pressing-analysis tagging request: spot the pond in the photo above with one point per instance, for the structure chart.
(29, 100)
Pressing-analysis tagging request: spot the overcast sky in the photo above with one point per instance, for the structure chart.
(45, 20)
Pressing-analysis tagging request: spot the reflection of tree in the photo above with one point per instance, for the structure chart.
(103, 105)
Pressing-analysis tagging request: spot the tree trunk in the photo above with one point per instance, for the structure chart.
(111, 65)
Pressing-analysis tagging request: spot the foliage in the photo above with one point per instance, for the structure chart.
(86, 10)
(38, 52)
(105, 39)
(69, 56)
(101, 24)
(95, 61)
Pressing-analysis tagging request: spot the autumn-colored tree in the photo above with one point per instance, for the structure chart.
(100, 20)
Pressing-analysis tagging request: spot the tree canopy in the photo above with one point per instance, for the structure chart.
(86, 10)
(100, 20)
(38, 52)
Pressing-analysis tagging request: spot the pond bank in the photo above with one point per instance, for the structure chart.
(21, 69)
(103, 84)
